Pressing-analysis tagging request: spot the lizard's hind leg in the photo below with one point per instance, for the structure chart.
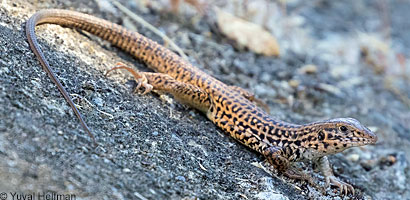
(140, 78)
(183, 92)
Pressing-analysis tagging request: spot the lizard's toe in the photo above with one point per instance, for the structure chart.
(147, 88)
(142, 84)
(345, 188)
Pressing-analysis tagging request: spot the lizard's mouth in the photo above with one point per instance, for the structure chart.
(359, 141)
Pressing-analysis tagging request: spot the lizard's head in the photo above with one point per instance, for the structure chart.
(336, 135)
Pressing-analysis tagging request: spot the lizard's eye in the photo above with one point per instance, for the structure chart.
(343, 128)
(321, 135)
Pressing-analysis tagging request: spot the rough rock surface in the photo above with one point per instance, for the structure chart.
(155, 148)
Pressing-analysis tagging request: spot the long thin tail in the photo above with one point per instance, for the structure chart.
(154, 55)
(38, 18)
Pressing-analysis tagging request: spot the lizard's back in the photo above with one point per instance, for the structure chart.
(228, 108)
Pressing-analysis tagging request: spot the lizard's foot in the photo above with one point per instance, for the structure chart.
(142, 81)
(344, 187)
(282, 164)
(299, 175)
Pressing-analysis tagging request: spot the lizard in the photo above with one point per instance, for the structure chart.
(230, 108)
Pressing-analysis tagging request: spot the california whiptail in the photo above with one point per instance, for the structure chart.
(229, 107)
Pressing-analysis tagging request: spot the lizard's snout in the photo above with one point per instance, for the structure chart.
(370, 136)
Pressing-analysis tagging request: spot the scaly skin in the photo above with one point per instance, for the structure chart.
(228, 107)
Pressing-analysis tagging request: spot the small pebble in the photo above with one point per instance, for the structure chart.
(265, 77)
(388, 160)
(308, 69)
(84, 149)
(126, 170)
(340, 71)
(192, 113)
(369, 164)
(270, 196)
(98, 101)
(294, 83)
(180, 178)
(353, 157)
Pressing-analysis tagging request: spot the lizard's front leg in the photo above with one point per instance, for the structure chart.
(324, 167)
(274, 156)
(183, 92)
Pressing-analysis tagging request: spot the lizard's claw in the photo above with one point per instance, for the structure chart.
(344, 187)
(142, 81)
